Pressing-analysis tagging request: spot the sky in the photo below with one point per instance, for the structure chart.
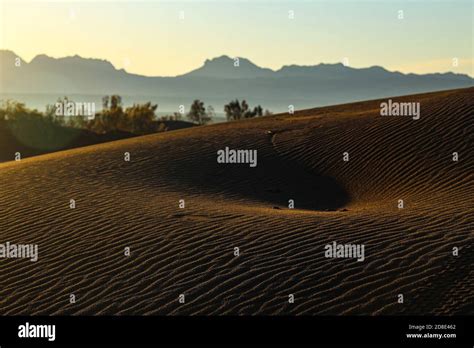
(169, 38)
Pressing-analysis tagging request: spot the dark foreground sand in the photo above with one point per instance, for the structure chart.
(191, 251)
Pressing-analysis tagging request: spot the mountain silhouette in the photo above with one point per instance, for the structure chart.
(225, 67)
(216, 82)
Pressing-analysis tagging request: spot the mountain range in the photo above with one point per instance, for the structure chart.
(216, 82)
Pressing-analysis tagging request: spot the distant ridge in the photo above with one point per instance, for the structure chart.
(218, 80)
(225, 67)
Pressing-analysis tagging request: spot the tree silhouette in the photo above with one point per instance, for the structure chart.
(233, 110)
(197, 113)
(141, 118)
(236, 110)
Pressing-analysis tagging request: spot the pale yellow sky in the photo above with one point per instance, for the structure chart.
(171, 38)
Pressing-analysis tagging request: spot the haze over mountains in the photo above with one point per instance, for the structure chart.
(218, 81)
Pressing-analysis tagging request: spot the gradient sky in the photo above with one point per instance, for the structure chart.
(149, 38)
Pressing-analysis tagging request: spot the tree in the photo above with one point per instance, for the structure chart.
(258, 111)
(141, 118)
(267, 113)
(236, 110)
(211, 112)
(197, 113)
(112, 118)
(233, 110)
(112, 102)
(115, 102)
(244, 109)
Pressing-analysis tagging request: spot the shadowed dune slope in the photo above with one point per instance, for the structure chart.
(190, 251)
(33, 141)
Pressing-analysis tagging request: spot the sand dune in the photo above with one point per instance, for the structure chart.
(32, 141)
(191, 251)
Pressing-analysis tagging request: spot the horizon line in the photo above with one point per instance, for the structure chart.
(231, 58)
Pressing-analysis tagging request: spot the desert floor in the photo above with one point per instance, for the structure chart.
(190, 250)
